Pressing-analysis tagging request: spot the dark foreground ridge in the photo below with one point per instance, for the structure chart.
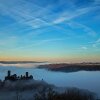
(27, 88)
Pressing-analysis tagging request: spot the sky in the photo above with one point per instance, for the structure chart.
(50, 30)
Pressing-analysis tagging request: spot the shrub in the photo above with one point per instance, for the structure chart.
(70, 94)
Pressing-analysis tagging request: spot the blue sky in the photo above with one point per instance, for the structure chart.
(50, 30)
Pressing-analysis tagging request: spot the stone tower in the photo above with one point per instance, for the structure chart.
(27, 74)
(9, 73)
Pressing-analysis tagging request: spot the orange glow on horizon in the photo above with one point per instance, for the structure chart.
(52, 60)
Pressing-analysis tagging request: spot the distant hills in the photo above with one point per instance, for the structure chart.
(74, 67)
(19, 62)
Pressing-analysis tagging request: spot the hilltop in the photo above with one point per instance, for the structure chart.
(25, 88)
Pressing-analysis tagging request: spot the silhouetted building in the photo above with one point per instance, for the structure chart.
(31, 77)
(9, 73)
(27, 74)
(14, 77)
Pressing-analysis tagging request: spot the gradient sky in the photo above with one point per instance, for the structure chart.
(50, 30)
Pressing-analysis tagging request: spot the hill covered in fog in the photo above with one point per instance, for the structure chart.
(65, 67)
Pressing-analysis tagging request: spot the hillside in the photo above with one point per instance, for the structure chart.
(65, 67)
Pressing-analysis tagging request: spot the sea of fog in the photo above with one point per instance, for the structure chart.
(89, 80)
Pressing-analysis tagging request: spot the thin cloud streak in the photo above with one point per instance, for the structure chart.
(38, 43)
(40, 23)
(23, 14)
